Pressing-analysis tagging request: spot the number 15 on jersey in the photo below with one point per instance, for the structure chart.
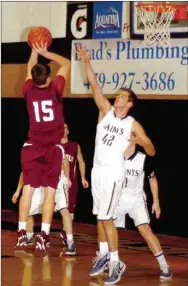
(44, 107)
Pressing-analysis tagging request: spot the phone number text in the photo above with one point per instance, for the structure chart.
(153, 81)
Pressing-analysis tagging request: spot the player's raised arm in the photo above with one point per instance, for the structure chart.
(60, 60)
(102, 103)
(82, 167)
(142, 139)
(33, 60)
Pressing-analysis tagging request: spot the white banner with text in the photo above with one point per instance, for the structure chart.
(121, 63)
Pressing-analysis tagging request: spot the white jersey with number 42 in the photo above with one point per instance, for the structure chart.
(111, 139)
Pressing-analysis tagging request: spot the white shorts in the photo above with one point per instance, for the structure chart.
(37, 201)
(61, 195)
(61, 198)
(106, 190)
(133, 205)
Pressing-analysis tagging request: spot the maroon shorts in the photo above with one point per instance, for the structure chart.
(72, 197)
(41, 166)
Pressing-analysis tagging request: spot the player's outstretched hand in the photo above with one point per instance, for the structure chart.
(82, 51)
(156, 209)
(85, 183)
(15, 197)
(40, 49)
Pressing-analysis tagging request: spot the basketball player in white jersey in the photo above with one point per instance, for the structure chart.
(113, 132)
(133, 203)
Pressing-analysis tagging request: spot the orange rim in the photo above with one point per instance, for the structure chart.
(149, 7)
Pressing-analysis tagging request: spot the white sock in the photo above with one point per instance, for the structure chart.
(103, 247)
(69, 238)
(22, 225)
(29, 235)
(45, 227)
(114, 256)
(161, 260)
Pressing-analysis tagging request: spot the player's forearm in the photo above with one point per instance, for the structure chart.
(82, 168)
(20, 183)
(90, 74)
(33, 60)
(60, 60)
(149, 148)
(154, 189)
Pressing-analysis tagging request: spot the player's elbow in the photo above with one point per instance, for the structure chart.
(150, 149)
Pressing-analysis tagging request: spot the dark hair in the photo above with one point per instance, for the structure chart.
(40, 73)
(132, 96)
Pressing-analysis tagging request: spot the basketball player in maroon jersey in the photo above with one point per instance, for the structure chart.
(74, 155)
(41, 155)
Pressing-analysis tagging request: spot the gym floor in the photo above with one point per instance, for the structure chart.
(28, 268)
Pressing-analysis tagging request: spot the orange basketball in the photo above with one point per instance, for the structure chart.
(39, 35)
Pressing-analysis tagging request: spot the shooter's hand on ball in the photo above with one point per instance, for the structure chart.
(41, 50)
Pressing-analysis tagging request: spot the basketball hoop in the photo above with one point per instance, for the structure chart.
(156, 19)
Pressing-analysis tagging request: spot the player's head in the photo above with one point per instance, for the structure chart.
(41, 74)
(125, 99)
(66, 130)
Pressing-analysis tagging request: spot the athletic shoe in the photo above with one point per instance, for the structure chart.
(166, 275)
(63, 237)
(71, 250)
(99, 264)
(30, 241)
(116, 269)
(41, 241)
(47, 240)
(22, 239)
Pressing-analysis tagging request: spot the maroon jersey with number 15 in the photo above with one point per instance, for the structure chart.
(45, 111)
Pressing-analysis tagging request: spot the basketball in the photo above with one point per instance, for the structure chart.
(40, 35)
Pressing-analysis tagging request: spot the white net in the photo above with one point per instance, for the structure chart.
(156, 20)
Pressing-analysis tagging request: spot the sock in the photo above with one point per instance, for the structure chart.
(114, 256)
(162, 261)
(22, 225)
(103, 247)
(45, 227)
(69, 238)
(29, 235)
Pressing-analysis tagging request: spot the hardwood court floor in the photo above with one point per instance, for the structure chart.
(27, 268)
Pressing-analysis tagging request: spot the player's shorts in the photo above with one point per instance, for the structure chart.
(72, 196)
(106, 190)
(133, 205)
(41, 166)
(61, 195)
(61, 198)
(37, 201)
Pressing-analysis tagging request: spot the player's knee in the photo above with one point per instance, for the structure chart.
(145, 230)
(27, 193)
(49, 192)
(64, 212)
(107, 223)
